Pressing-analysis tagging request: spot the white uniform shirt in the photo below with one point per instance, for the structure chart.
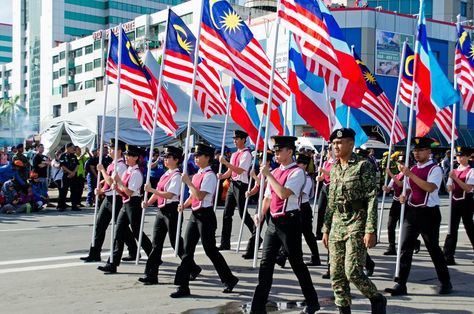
(435, 176)
(208, 184)
(121, 168)
(469, 177)
(173, 185)
(307, 189)
(136, 180)
(294, 182)
(245, 163)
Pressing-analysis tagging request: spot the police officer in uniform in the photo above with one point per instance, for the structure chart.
(461, 183)
(351, 222)
(202, 224)
(129, 186)
(104, 216)
(422, 216)
(238, 172)
(284, 187)
(69, 164)
(166, 193)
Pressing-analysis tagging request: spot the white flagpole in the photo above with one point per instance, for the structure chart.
(227, 106)
(267, 133)
(101, 141)
(152, 142)
(407, 154)
(392, 130)
(117, 116)
(248, 190)
(188, 131)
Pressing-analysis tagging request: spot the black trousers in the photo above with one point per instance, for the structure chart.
(322, 205)
(72, 185)
(104, 216)
(236, 197)
(130, 215)
(464, 210)
(166, 221)
(393, 218)
(307, 229)
(202, 224)
(284, 230)
(425, 221)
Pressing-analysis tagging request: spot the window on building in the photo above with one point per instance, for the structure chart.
(187, 18)
(64, 90)
(463, 8)
(78, 69)
(99, 83)
(131, 36)
(25, 83)
(55, 75)
(62, 71)
(97, 63)
(72, 106)
(78, 86)
(55, 59)
(62, 55)
(71, 87)
(89, 49)
(140, 31)
(88, 67)
(96, 44)
(89, 84)
(78, 52)
(56, 111)
(88, 101)
(72, 54)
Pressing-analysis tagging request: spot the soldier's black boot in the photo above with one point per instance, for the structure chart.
(417, 247)
(369, 266)
(391, 250)
(314, 261)
(344, 309)
(398, 289)
(379, 304)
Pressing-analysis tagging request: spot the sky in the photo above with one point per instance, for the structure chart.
(6, 11)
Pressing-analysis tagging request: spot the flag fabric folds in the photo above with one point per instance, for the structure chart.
(228, 44)
(464, 68)
(377, 105)
(435, 90)
(341, 116)
(179, 68)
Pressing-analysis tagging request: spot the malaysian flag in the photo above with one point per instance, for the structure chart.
(179, 68)
(228, 44)
(464, 68)
(376, 105)
(444, 118)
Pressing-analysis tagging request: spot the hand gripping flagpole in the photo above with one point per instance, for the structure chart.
(101, 143)
(392, 130)
(246, 206)
(117, 116)
(188, 131)
(407, 154)
(265, 143)
(152, 142)
(227, 106)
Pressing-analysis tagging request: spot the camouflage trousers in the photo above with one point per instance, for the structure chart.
(347, 260)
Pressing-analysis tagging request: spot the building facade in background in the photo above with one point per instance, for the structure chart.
(5, 43)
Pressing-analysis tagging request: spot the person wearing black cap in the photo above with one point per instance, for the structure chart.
(422, 216)
(284, 187)
(202, 224)
(238, 171)
(128, 186)
(461, 184)
(69, 164)
(104, 215)
(350, 223)
(166, 193)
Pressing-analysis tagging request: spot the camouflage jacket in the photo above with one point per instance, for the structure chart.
(352, 199)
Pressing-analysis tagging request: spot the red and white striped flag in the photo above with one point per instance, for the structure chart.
(464, 68)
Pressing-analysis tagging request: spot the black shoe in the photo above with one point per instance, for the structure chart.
(311, 309)
(326, 276)
(450, 261)
(369, 269)
(281, 261)
(398, 289)
(76, 209)
(390, 251)
(149, 280)
(446, 288)
(314, 261)
(90, 259)
(130, 258)
(417, 247)
(223, 247)
(344, 309)
(247, 255)
(108, 268)
(196, 271)
(229, 286)
(181, 292)
(379, 304)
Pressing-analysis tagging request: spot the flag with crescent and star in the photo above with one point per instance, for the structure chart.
(464, 68)
(228, 45)
(179, 68)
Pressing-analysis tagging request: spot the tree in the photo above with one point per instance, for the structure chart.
(10, 110)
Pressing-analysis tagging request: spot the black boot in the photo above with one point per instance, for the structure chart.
(379, 304)
(149, 280)
(281, 260)
(369, 267)
(398, 289)
(390, 250)
(250, 248)
(417, 247)
(344, 309)
(314, 261)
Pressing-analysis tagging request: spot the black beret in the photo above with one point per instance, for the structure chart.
(422, 142)
(240, 134)
(133, 150)
(303, 159)
(463, 151)
(342, 133)
(204, 149)
(283, 141)
(121, 144)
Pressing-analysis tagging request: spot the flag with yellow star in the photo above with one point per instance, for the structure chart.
(464, 68)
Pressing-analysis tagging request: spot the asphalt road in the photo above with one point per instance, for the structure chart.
(40, 272)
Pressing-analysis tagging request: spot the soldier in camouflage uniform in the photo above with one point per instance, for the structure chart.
(350, 223)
